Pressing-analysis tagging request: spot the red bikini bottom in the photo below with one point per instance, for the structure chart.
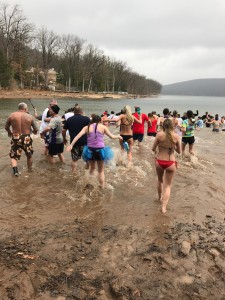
(165, 163)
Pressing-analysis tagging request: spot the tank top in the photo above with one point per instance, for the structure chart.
(95, 139)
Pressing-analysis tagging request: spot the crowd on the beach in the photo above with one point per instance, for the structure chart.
(170, 132)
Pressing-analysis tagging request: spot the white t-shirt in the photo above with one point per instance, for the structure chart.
(43, 123)
(68, 115)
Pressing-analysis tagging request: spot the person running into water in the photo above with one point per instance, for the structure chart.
(95, 152)
(19, 126)
(126, 120)
(152, 123)
(166, 141)
(166, 115)
(188, 128)
(74, 125)
(139, 128)
(56, 146)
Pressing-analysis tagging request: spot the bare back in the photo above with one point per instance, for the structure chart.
(125, 125)
(21, 123)
(166, 147)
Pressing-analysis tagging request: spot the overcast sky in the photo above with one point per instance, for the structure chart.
(165, 40)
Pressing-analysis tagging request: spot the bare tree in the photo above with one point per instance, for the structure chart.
(91, 61)
(71, 50)
(15, 36)
(48, 43)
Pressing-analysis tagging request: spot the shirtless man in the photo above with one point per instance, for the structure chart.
(19, 125)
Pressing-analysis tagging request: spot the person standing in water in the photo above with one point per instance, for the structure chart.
(166, 141)
(126, 120)
(74, 125)
(56, 146)
(19, 126)
(95, 152)
(188, 128)
(139, 128)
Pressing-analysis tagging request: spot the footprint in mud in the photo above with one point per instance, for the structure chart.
(118, 253)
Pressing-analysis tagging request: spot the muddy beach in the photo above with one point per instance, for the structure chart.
(64, 238)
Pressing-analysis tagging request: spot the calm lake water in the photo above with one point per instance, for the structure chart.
(181, 103)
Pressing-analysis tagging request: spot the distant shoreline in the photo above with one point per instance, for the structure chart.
(33, 94)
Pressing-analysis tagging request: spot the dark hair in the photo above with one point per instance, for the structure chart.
(216, 117)
(190, 114)
(55, 108)
(166, 111)
(175, 113)
(95, 119)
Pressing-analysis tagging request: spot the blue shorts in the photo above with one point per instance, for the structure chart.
(138, 136)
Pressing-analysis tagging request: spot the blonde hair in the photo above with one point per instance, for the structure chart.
(128, 113)
(168, 129)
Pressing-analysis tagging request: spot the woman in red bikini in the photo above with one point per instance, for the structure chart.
(166, 142)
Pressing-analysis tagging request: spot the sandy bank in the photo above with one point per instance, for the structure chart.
(29, 94)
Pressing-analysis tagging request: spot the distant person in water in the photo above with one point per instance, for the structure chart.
(166, 115)
(19, 126)
(152, 124)
(216, 123)
(167, 142)
(188, 128)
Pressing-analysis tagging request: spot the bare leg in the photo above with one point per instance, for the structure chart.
(129, 153)
(101, 174)
(13, 162)
(61, 157)
(29, 162)
(51, 159)
(92, 167)
(191, 149)
(183, 148)
(73, 166)
(14, 167)
(45, 151)
(160, 172)
(168, 178)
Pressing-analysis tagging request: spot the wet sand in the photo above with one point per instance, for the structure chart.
(64, 238)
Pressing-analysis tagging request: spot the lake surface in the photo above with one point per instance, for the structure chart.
(213, 105)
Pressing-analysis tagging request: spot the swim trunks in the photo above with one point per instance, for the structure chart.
(76, 152)
(138, 136)
(19, 143)
(152, 134)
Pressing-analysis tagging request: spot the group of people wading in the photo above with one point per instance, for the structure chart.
(87, 138)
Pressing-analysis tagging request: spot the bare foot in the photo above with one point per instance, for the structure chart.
(163, 209)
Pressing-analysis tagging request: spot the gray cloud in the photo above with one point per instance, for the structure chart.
(167, 40)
